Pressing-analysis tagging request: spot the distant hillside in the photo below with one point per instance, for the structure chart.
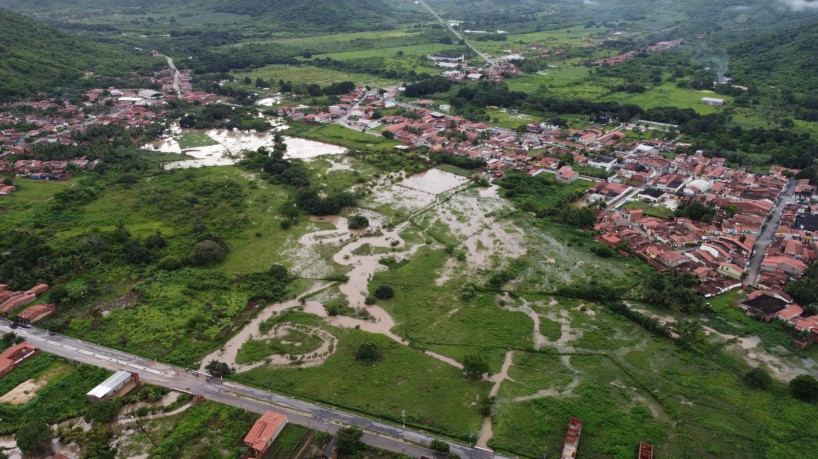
(36, 57)
(782, 62)
(326, 14)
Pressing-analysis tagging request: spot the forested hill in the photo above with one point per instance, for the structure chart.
(783, 63)
(325, 14)
(36, 57)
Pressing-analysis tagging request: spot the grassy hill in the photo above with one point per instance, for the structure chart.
(38, 58)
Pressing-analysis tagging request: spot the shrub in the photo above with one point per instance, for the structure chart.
(384, 292)
(358, 222)
(367, 352)
(474, 366)
(439, 446)
(758, 378)
(103, 411)
(804, 388)
(207, 252)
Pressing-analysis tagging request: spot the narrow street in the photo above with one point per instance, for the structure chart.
(310, 415)
(767, 234)
(172, 66)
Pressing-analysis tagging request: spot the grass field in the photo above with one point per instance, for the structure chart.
(649, 209)
(305, 74)
(339, 135)
(21, 208)
(417, 383)
(410, 50)
(669, 95)
(195, 139)
(63, 396)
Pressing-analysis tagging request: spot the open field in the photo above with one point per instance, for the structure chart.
(649, 209)
(410, 50)
(339, 135)
(419, 384)
(62, 397)
(669, 95)
(305, 74)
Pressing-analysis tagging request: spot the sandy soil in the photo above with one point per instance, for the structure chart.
(23, 393)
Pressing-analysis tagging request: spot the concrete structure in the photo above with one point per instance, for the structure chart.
(712, 101)
(150, 94)
(569, 448)
(603, 162)
(118, 383)
(12, 357)
(264, 432)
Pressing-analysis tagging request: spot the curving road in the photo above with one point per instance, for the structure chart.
(314, 416)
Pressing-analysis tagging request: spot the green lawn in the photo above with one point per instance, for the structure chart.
(409, 50)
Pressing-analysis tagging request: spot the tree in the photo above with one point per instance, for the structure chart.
(218, 369)
(384, 292)
(155, 241)
(388, 135)
(758, 378)
(34, 438)
(206, 253)
(690, 331)
(358, 222)
(367, 352)
(440, 446)
(10, 339)
(349, 441)
(474, 366)
(278, 272)
(804, 387)
(103, 411)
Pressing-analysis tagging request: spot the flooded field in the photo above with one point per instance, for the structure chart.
(228, 145)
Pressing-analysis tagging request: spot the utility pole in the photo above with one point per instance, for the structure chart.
(403, 416)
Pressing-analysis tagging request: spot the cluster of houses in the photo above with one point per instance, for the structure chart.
(43, 170)
(456, 68)
(718, 251)
(12, 301)
(26, 124)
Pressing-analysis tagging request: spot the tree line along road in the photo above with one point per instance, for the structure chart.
(377, 434)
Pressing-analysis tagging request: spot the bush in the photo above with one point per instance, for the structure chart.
(384, 292)
(349, 441)
(474, 366)
(440, 446)
(207, 252)
(34, 439)
(358, 222)
(367, 352)
(804, 388)
(104, 411)
(758, 378)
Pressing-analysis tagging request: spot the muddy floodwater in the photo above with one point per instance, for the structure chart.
(229, 144)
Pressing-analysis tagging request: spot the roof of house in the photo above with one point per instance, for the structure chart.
(766, 304)
(264, 430)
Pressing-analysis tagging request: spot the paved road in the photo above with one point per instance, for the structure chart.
(311, 415)
(766, 237)
(176, 85)
(483, 55)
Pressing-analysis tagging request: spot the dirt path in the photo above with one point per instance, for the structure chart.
(354, 290)
(486, 431)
